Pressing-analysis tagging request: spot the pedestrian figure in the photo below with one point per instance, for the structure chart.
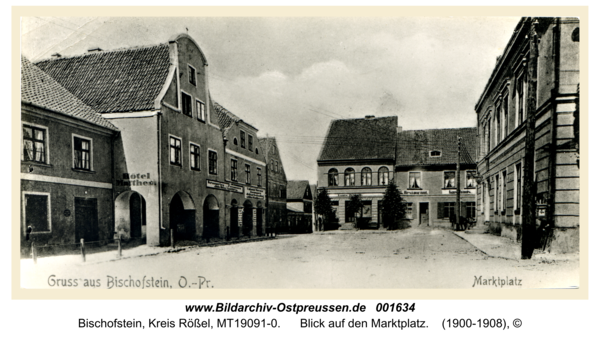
(27, 232)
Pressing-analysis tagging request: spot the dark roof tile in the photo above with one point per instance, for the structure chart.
(40, 89)
(414, 146)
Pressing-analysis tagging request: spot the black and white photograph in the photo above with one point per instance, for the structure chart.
(393, 152)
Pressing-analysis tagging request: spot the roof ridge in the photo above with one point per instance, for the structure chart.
(101, 52)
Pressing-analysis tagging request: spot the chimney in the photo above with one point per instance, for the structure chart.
(94, 49)
(56, 55)
(369, 117)
(399, 129)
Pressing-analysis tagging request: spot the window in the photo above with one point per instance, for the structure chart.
(282, 192)
(276, 166)
(497, 194)
(195, 157)
(233, 170)
(34, 144)
(37, 211)
(365, 177)
(519, 101)
(504, 194)
(414, 180)
(409, 210)
(201, 108)
(349, 177)
(332, 177)
(449, 179)
(250, 142)
(235, 142)
(505, 110)
(384, 175)
(81, 153)
(259, 176)
(192, 74)
(449, 210)
(212, 162)
(470, 208)
(175, 150)
(248, 175)
(435, 153)
(243, 139)
(186, 104)
(471, 182)
(518, 187)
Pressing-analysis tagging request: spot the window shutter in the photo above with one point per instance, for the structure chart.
(440, 211)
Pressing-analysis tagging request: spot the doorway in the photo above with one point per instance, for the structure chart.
(86, 219)
(424, 213)
(182, 217)
(211, 217)
(137, 215)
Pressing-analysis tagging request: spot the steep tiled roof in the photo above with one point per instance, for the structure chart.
(113, 81)
(372, 138)
(40, 89)
(414, 146)
(225, 117)
(296, 189)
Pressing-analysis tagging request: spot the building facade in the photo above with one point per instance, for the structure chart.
(276, 183)
(536, 77)
(358, 158)
(173, 156)
(299, 207)
(426, 174)
(66, 166)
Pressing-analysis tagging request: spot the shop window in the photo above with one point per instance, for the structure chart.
(409, 210)
(37, 211)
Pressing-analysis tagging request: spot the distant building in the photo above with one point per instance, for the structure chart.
(553, 89)
(358, 157)
(425, 174)
(66, 165)
(299, 207)
(276, 183)
(247, 168)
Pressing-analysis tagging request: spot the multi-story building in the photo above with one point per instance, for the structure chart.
(246, 166)
(426, 174)
(172, 167)
(299, 207)
(538, 76)
(66, 165)
(358, 158)
(276, 182)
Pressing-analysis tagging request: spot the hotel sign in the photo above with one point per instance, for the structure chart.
(254, 193)
(224, 186)
(414, 192)
(461, 191)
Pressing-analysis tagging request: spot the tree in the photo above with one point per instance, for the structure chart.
(355, 206)
(323, 207)
(394, 209)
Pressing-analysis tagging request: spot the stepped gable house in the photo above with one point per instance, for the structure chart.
(66, 165)
(299, 207)
(425, 174)
(358, 157)
(537, 76)
(172, 171)
(276, 183)
(246, 168)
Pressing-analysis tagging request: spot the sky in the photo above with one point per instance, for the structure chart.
(289, 77)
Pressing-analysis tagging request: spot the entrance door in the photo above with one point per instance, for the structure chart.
(182, 221)
(486, 201)
(86, 219)
(137, 214)
(211, 217)
(259, 222)
(424, 213)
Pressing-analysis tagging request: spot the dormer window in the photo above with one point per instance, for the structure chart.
(435, 153)
(192, 74)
